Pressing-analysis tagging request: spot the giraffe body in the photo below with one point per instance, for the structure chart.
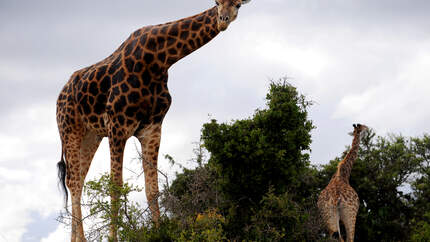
(339, 202)
(126, 95)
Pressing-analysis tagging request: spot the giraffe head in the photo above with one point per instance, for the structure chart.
(227, 11)
(359, 128)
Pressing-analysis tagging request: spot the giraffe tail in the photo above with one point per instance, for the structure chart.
(338, 234)
(62, 171)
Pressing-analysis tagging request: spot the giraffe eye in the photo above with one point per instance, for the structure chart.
(238, 6)
(217, 3)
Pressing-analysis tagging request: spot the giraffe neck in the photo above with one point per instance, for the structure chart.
(173, 41)
(345, 166)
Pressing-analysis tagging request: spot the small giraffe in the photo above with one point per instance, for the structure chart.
(338, 201)
(126, 95)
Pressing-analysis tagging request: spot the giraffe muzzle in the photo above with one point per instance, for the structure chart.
(223, 23)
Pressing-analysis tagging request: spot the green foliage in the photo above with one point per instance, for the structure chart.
(193, 191)
(130, 219)
(421, 190)
(266, 150)
(421, 186)
(278, 219)
(379, 176)
(134, 224)
(207, 226)
(421, 229)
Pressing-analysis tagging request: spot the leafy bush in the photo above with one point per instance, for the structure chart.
(130, 220)
(264, 151)
(278, 219)
(421, 229)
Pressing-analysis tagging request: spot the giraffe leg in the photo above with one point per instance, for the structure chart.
(88, 148)
(79, 161)
(330, 215)
(117, 141)
(77, 227)
(150, 141)
(348, 215)
(72, 150)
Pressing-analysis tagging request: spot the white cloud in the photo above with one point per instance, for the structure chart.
(61, 234)
(397, 104)
(19, 200)
(278, 45)
(13, 175)
(28, 171)
(10, 148)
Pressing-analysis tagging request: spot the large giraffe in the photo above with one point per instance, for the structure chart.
(126, 95)
(339, 201)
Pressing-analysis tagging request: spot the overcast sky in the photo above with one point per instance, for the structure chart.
(360, 61)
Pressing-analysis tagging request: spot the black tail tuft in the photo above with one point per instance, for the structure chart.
(61, 165)
(336, 235)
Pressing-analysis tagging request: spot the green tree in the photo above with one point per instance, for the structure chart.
(280, 218)
(421, 228)
(134, 222)
(267, 150)
(130, 220)
(421, 185)
(193, 191)
(421, 190)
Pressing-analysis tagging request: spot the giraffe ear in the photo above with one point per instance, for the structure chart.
(245, 1)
